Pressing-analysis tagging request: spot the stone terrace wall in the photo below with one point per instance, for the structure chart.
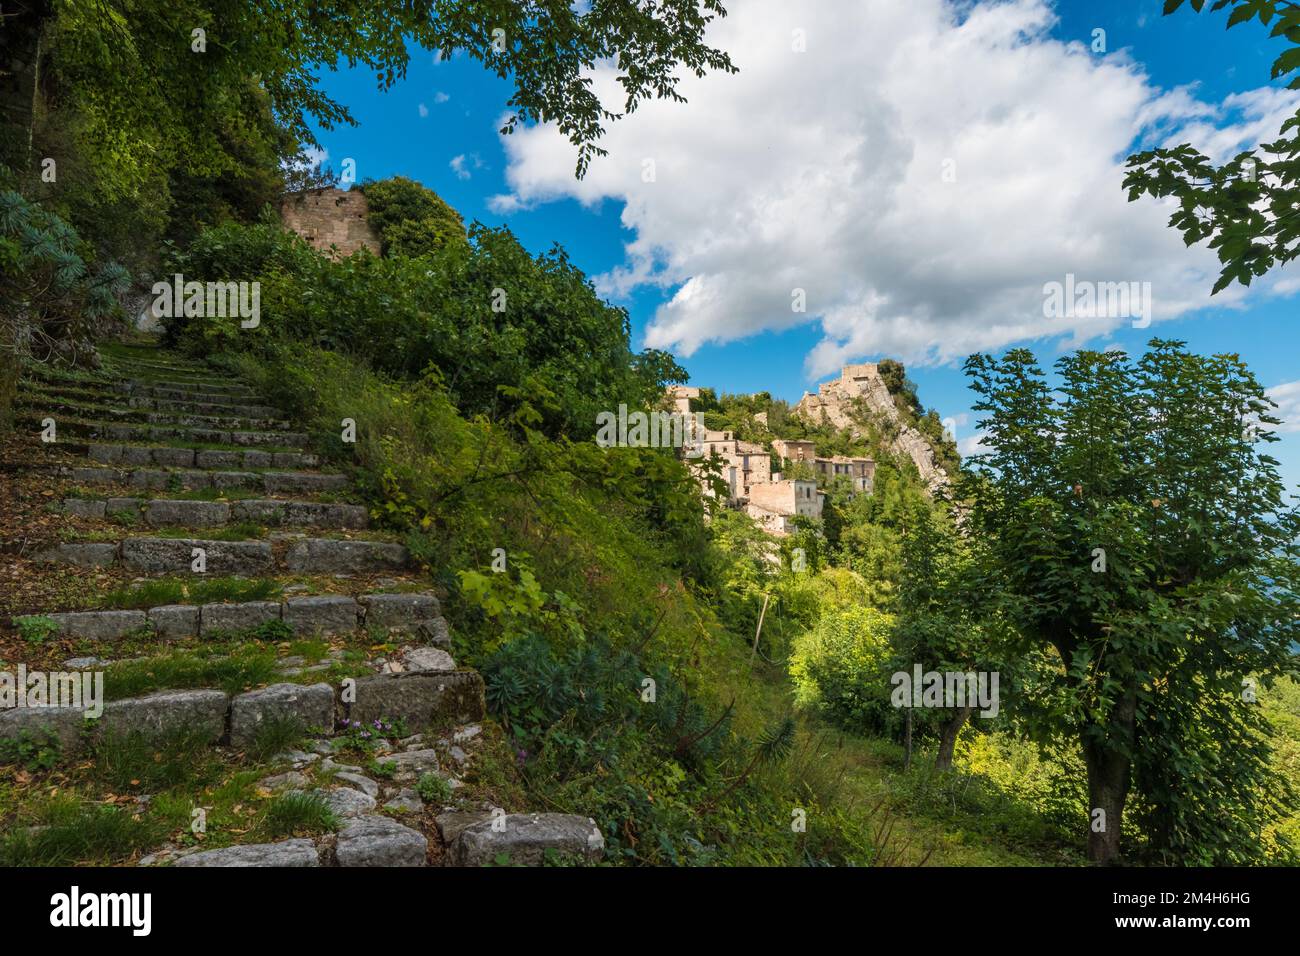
(331, 217)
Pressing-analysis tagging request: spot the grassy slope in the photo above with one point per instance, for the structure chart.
(994, 811)
(865, 771)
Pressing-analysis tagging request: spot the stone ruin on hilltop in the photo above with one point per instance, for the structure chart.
(834, 403)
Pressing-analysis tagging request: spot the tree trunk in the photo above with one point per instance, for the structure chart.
(20, 54)
(907, 740)
(948, 737)
(1110, 772)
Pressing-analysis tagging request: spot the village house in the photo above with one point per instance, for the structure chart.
(746, 463)
(794, 449)
(776, 504)
(861, 471)
(860, 388)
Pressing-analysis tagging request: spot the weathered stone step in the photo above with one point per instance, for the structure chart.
(149, 364)
(325, 615)
(272, 512)
(215, 716)
(44, 375)
(173, 378)
(125, 431)
(47, 407)
(160, 360)
(151, 367)
(187, 394)
(297, 853)
(202, 458)
(477, 839)
(378, 841)
(158, 479)
(418, 698)
(182, 406)
(201, 711)
(176, 556)
(232, 409)
(214, 383)
(366, 840)
(213, 386)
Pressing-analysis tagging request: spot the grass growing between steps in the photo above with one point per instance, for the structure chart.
(40, 589)
(241, 669)
(239, 531)
(297, 814)
(161, 591)
(217, 494)
(159, 376)
(133, 794)
(156, 592)
(66, 830)
(40, 372)
(134, 761)
(189, 443)
(206, 494)
(235, 663)
(115, 397)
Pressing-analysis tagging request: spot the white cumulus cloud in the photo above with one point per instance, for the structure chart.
(1287, 397)
(920, 171)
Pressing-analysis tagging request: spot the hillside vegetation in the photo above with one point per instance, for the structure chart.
(581, 571)
(1124, 559)
(613, 616)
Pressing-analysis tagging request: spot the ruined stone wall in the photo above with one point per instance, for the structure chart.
(331, 217)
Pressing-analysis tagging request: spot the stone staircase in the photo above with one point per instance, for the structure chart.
(168, 473)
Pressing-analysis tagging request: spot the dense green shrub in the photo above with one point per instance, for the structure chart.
(665, 777)
(483, 314)
(411, 219)
(51, 291)
(841, 668)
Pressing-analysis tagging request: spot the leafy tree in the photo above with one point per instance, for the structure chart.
(1245, 207)
(894, 374)
(947, 614)
(258, 173)
(707, 402)
(134, 66)
(411, 219)
(748, 571)
(303, 174)
(1140, 535)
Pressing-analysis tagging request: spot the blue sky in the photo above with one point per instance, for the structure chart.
(439, 126)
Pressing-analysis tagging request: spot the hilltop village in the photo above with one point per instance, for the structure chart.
(767, 496)
(775, 498)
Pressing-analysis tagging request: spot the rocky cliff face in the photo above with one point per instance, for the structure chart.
(834, 403)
